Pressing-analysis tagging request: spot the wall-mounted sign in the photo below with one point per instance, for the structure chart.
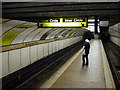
(104, 23)
(63, 22)
(50, 20)
(74, 20)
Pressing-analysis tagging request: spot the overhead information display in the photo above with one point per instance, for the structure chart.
(63, 22)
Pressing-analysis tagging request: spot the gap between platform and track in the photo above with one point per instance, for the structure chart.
(59, 72)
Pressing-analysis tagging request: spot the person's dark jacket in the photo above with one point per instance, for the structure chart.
(87, 47)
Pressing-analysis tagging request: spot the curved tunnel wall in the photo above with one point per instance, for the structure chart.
(115, 33)
(23, 43)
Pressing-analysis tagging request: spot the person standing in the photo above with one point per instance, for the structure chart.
(86, 52)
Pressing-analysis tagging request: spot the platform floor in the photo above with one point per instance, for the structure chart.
(77, 76)
(93, 76)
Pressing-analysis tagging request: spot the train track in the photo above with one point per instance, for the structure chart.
(33, 76)
(113, 55)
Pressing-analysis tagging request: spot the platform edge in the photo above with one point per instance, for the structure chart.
(107, 72)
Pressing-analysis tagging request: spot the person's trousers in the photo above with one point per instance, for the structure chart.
(83, 58)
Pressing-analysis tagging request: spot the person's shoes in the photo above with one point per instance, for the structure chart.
(83, 65)
(86, 65)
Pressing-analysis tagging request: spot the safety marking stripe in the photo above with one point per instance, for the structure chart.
(70, 33)
(2, 20)
(8, 37)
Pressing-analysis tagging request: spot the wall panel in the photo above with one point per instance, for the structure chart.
(14, 60)
(5, 68)
(115, 33)
(40, 51)
(56, 46)
(62, 41)
(33, 54)
(45, 51)
(50, 48)
(54, 49)
(25, 57)
(60, 44)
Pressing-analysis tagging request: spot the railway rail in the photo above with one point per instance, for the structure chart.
(34, 75)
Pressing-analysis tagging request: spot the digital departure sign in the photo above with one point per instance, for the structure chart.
(63, 22)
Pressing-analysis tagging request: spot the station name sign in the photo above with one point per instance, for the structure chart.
(74, 20)
(63, 22)
(50, 20)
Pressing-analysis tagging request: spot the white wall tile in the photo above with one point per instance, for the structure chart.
(67, 42)
(119, 42)
(4, 63)
(64, 44)
(114, 30)
(40, 51)
(54, 48)
(60, 44)
(1, 65)
(45, 49)
(14, 60)
(33, 53)
(50, 48)
(115, 40)
(25, 57)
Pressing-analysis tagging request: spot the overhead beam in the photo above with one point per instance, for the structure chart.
(65, 13)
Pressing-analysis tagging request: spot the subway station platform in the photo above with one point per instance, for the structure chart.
(73, 75)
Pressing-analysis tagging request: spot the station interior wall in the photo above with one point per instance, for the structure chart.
(115, 33)
(13, 60)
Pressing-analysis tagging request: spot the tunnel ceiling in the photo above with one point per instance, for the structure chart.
(32, 11)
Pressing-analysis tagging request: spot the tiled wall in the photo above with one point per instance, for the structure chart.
(16, 59)
(115, 33)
